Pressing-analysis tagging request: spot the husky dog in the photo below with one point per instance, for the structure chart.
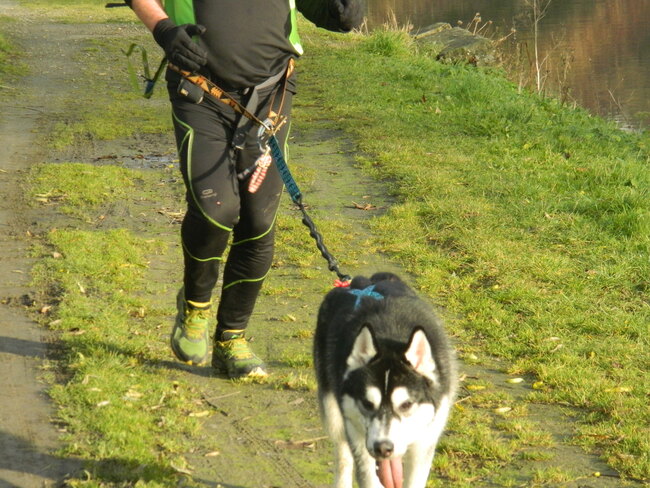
(386, 382)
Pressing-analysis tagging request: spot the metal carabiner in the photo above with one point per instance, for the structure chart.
(264, 133)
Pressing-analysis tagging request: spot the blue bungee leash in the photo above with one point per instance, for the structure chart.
(296, 197)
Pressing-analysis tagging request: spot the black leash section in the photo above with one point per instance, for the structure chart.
(296, 197)
(113, 5)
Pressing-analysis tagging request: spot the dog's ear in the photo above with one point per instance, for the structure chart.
(363, 350)
(419, 355)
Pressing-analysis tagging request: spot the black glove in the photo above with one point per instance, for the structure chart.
(176, 40)
(350, 12)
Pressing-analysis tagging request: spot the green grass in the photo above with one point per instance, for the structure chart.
(9, 53)
(96, 282)
(525, 219)
(81, 189)
(79, 11)
(5, 48)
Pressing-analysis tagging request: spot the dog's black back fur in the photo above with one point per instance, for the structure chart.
(392, 320)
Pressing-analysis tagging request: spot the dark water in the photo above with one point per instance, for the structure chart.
(597, 51)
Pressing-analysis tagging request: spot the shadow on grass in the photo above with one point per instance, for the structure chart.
(33, 349)
(171, 364)
(26, 460)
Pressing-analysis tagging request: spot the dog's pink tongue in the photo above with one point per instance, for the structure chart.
(390, 472)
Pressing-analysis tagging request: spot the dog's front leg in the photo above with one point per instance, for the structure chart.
(417, 464)
(365, 467)
(333, 421)
(343, 465)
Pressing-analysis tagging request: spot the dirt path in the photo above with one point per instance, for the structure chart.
(27, 437)
(246, 421)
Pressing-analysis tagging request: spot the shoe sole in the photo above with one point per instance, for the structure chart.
(257, 372)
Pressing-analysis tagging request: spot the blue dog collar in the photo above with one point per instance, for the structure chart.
(366, 292)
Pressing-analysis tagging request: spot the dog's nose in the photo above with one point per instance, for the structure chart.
(383, 449)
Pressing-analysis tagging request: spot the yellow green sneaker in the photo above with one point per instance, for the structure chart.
(233, 356)
(189, 337)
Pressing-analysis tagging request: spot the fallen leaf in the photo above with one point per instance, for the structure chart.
(180, 470)
(133, 395)
(364, 206)
(203, 413)
(174, 216)
(304, 444)
(619, 389)
(502, 410)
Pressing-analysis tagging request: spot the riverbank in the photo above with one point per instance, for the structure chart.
(524, 221)
(527, 220)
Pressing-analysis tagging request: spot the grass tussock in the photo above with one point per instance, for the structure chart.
(9, 55)
(82, 189)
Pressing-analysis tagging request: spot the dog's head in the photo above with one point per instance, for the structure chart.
(389, 393)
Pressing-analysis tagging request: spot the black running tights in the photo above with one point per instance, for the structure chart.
(219, 205)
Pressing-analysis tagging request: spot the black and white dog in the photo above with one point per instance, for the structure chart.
(386, 382)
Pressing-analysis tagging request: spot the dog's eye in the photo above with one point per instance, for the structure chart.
(367, 404)
(406, 406)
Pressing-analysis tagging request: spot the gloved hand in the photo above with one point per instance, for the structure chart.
(349, 11)
(176, 41)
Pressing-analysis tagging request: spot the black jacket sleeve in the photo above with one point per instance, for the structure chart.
(334, 15)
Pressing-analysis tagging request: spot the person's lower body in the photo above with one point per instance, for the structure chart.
(220, 206)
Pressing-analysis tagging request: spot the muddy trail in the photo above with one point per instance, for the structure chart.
(256, 436)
